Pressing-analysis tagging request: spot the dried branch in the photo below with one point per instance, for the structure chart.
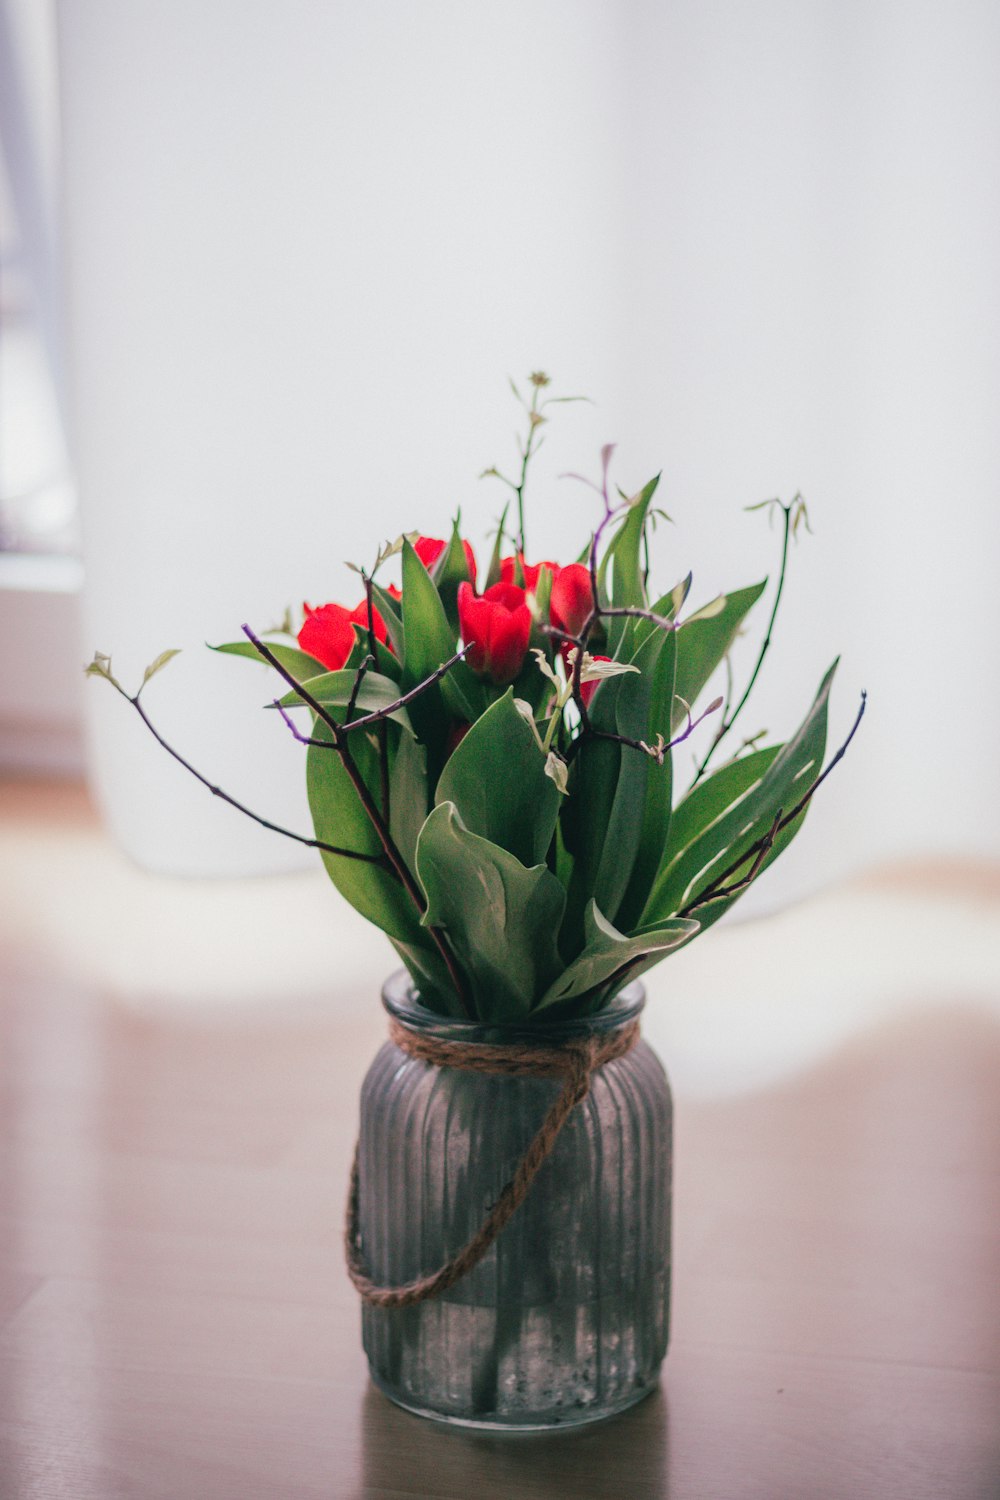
(340, 736)
(378, 715)
(217, 791)
(717, 889)
(729, 719)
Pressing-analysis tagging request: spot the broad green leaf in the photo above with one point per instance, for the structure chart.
(500, 917)
(431, 979)
(708, 800)
(627, 588)
(608, 953)
(409, 801)
(656, 814)
(430, 640)
(301, 665)
(702, 644)
(389, 609)
(493, 571)
(496, 778)
(334, 689)
(586, 813)
(788, 776)
(635, 771)
(339, 818)
(668, 607)
(451, 569)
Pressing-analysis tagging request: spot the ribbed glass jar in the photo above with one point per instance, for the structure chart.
(566, 1319)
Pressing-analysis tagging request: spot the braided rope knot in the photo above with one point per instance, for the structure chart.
(575, 1061)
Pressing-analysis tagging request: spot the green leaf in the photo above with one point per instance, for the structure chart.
(500, 917)
(430, 641)
(159, 664)
(409, 799)
(450, 570)
(627, 588)
(497, 781)
(101, 667)
(389, 609)
(301, 665)
(339, 818)
(708, 800)
(431, 979)
(789, 774)
(608, 953)
(656, 807)
(334, 689)
(636, 770)
(702, 644)
(493, 571)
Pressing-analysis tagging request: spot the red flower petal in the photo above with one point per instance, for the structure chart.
(572, 598)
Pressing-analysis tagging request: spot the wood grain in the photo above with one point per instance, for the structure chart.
(175, 1320)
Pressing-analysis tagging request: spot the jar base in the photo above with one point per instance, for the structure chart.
(570, 1417)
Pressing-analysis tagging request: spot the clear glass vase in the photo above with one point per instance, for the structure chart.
(566, 1319)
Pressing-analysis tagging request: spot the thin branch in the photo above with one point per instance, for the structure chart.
(371, 859)
(729, 720)
(766, 844)
(359, 677)
(383, 729)
(396, 860)
(639, 614)
(661, 748)
(377, 715)
(716, 889)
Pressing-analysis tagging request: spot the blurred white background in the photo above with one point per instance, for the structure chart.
(306, 244)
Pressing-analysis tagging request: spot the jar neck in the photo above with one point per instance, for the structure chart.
(400, 1001)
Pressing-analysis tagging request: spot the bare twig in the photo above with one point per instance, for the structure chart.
(717, 889)
(729, 719)
(217, 791)
(396, 860)
(378, 715)
(363, 668)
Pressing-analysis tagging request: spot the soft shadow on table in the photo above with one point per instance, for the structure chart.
(627, 1455)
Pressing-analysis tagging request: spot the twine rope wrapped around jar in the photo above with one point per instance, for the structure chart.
(574, 1061)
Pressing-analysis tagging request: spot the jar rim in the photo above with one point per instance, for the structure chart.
(399, 999)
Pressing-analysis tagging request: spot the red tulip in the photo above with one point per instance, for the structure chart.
(429, 549)
(496, 627)
(572, 598)
(508, 571)
(328, 632)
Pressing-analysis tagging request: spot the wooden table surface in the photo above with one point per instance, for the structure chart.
(175, 1320)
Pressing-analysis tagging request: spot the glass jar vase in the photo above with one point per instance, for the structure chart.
(565, 1319)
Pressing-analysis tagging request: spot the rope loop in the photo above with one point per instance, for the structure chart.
(575, 1062)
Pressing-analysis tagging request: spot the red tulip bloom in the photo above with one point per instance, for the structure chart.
(508, 571)
(328, 632)
(429, 549)
(572, 598)
(496, 627)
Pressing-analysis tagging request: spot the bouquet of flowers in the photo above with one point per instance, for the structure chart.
(489, 756)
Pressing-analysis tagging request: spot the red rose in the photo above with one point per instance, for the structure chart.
(508, 571)
(572, 598)
(328, 632)
(429, 549)
(497, 625)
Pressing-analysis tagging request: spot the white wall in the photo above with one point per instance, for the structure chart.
(308, 242)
